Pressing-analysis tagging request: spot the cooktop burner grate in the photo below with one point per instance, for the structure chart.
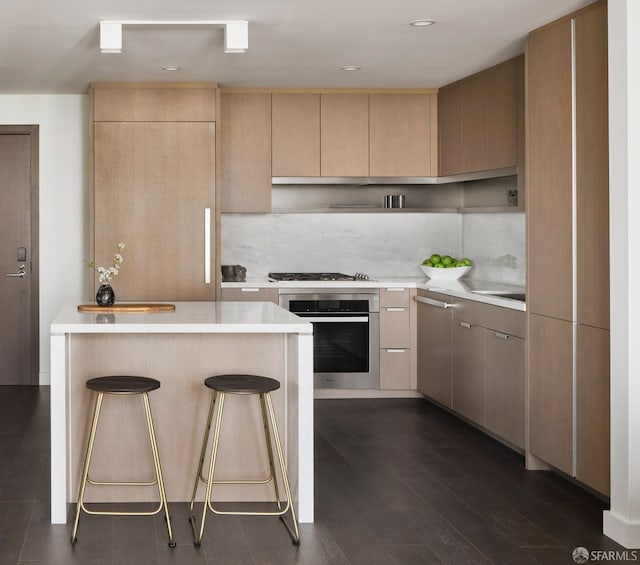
(316, 277)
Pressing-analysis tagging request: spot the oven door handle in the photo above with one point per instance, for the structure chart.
(340, 319)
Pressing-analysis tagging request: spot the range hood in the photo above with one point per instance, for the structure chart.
(367, 181)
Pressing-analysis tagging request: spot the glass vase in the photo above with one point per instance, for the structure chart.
(105, 295)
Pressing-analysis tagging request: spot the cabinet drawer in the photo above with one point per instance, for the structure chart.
(250, 294)
(395, 327)
(154, 104)
(395, 369)
(505, 320)
(394, 297)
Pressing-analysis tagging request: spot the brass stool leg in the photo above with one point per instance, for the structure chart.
(295, 533)
(212, 465)
(267, 438)
(205, 441)
(87, 461)
(156, 462)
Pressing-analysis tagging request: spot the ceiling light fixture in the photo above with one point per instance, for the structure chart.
(350, 68)
(170, 68)
(422, 23)
(236, 33)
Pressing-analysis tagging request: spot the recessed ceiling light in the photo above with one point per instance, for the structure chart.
(421, 23)
(170, 68)
(350, 68)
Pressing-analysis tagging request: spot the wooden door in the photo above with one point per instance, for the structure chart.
(344, 135)
(450, 129)
(551, 391)
(468, 370)
(592, 161)
(400, 135)
(549, 177)
(593, 408)
(435, 348)
(18, 255)
(245, 152)
(153, 182)
(505, 384)
(295, 135)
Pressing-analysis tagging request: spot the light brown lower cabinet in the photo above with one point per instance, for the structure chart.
(505, 386)
(435, 345)
(593, 408)
(551, 391)
(250, 294)
(396, 332)
(468, 370)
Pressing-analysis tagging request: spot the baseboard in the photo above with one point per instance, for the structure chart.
(618, 529)
(364, 393)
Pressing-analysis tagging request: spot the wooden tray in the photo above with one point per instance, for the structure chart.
(126, 308)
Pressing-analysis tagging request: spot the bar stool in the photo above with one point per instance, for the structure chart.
(220, 386)
(122, 385)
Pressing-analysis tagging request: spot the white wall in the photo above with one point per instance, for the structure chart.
(622, 522)
(63, 201)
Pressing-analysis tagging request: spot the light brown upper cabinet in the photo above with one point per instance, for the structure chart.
(344, 135)
(401, 135)
(295, 135)
(245, 152)
(151, 183)
(478, 120)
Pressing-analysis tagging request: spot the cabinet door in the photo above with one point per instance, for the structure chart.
(152, 184)
(504, 377)
(435, 347)
(400, 135)
(551, 391)
(245, 152)
(344, 135)
(250, 294)
(549, 158)
(468, 370)
(474, 123)
(592, 408)
(501, 115)
(395, 327)
(450, 129)
(592, 161)
(295, 135)
(395, 369)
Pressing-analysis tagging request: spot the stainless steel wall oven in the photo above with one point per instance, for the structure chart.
(346, 334)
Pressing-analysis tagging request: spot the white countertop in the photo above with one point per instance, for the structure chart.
(462, 288)
(188, 317)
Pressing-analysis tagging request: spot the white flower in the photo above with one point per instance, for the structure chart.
(106, 274)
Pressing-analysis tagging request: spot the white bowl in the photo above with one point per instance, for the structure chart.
(450, 274)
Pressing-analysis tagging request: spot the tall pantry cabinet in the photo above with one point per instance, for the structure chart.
(567, 245)
(152, 186)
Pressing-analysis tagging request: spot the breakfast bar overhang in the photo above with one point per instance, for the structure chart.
(180, 349)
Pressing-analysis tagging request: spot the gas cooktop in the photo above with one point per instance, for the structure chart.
(317, 277)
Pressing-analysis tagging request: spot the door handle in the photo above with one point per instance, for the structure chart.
(20, 274)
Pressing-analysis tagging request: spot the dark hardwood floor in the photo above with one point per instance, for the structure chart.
(397, 482)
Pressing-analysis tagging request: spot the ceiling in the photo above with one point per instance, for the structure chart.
(52, 46)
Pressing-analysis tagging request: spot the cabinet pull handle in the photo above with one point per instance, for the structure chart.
(500, 335)
(207, 246)
(465, 325)
(246, 289)
(396, 350)
(432, 302)
(393, 309)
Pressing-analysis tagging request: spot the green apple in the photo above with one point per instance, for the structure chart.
(427, 263)
(467, 262)
(435, 259)
(447, 260)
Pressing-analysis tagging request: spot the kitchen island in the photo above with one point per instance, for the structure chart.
(180, 349)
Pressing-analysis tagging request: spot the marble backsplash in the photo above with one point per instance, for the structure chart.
(379, 244)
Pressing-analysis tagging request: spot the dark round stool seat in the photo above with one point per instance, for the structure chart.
(242, 384)
(121, 384)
